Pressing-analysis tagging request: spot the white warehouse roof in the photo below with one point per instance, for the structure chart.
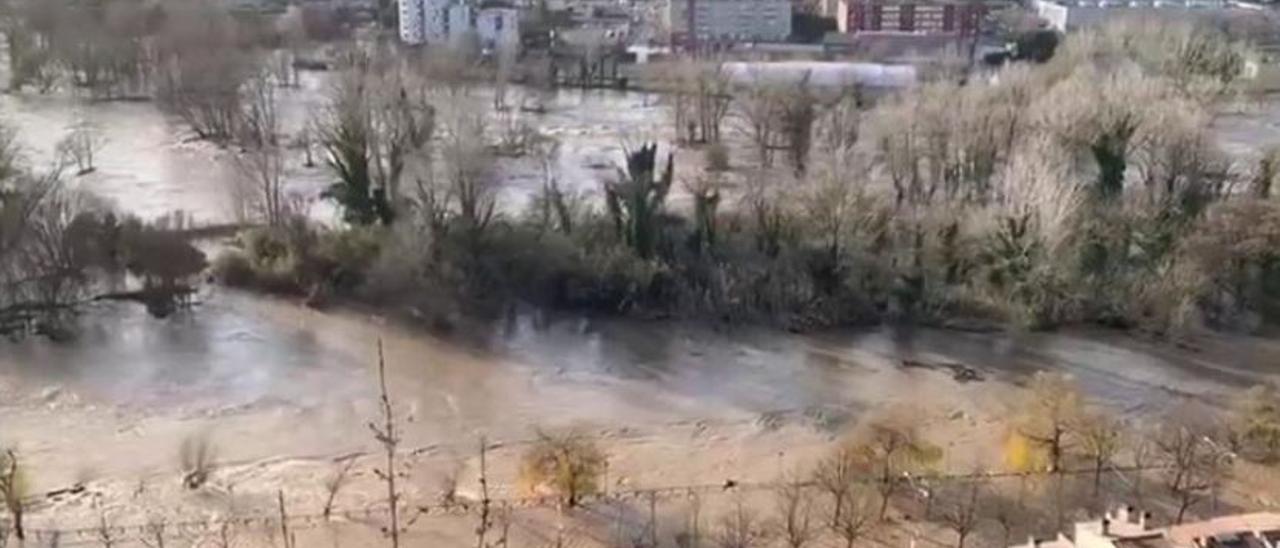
(823, 73)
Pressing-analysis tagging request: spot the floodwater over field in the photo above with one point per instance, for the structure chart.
(150, 165)
(275, 379)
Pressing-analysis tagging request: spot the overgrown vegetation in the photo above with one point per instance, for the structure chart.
(60, 247)
(1083, 189)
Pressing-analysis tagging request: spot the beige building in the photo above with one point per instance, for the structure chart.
(1127, 528)
(727, 21)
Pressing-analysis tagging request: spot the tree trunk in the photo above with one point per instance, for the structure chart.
(838, 510)
(18, 531)
(1097, 477)
(1183, 504)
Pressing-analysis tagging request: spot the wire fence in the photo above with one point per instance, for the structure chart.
(415, 513)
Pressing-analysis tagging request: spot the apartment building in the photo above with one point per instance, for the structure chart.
(698, 23)
(942, 17)
(447, 22)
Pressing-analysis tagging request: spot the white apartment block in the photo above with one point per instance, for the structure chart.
(413, 21)
(729, 20)
(447, 22)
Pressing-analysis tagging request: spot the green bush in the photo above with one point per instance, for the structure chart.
(232, 267)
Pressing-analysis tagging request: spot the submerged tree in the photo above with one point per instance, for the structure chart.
(635, 202)
(81, 145)
(376, 123)
(202, 69)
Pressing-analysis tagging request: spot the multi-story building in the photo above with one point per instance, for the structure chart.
(413, 21)
(447, 22)
(698, 23)
(941, 17)
(1068, 15)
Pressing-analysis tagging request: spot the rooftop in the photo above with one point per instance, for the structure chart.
(1128, 528)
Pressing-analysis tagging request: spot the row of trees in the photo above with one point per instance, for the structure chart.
(1057, 456)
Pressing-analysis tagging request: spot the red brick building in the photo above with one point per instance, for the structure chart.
(933, 18)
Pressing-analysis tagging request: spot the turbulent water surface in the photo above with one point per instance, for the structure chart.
(237, 352)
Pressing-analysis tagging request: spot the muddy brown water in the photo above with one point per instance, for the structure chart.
(151, 165)
(237, 350)
(239, 355)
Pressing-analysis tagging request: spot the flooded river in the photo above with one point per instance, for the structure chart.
(276, 379)
(151, 166)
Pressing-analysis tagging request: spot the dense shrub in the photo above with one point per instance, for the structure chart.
(297, 259)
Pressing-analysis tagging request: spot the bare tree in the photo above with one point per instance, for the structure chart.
(962, 510)
(81, 145)
(796, 117)
(829, 201)
(259, 185)
(1143, 454)
(690, 534)
(1196, 465)
(375, 130)
(739, 529)
(105, 532)
(857, 517)
(260, 167)
(554, 207)
(757, 109)
(890, 446)
(467, 164)
(700, 101)
(387, 436)
(1053, 408)
(794, 523)
(334, 484)
(839, 126)
(836, 475)
(1101, 439)
(260, 119)
(202, 69)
